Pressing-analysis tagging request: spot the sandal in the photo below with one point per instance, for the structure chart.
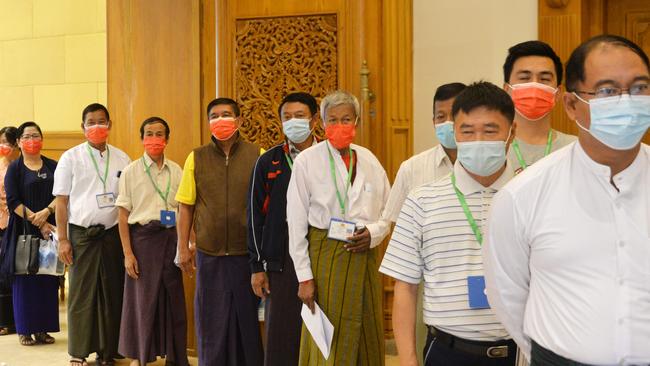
(103, 362)
(78, 362)
(44, 338)
(4, 331)
(26, 340)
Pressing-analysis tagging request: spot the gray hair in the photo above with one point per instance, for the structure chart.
(337, 98)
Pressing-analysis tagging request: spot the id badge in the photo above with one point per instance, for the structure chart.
(106, 200)
(477, 294)
(341, 230)
(168, 218)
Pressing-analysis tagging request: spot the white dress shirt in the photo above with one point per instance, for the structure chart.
(425, 167)
(434, 241)
(76, 177)
(567, 258)
(312, 200)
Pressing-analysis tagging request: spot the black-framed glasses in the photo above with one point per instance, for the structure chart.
(612, 91)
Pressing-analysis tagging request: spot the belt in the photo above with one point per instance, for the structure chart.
(484, 349)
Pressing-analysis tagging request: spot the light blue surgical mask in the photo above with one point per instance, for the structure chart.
(445, 134)
(482, 158)
(297, 129)
(619, 122)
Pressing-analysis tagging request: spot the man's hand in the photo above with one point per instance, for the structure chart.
(360, 241)
(131, 266)
(260, 284)
(65, 251)
(46, 230)
(186, 259)
(307, 294)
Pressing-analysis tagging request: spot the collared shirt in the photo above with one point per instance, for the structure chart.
(312, 200)
(77, 177)
(293, 150)
(425, 167)
(434, 241)
(567, 258)
(138, 194)
(532, 153)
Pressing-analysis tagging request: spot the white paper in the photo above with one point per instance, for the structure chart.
(320, 328)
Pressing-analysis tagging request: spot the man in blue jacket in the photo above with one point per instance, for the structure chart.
(273, 275)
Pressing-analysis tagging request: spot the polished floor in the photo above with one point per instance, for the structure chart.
(13, 354)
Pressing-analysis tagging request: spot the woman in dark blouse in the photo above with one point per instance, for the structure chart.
(29, 182)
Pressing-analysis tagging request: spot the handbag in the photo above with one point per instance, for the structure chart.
(27, 247)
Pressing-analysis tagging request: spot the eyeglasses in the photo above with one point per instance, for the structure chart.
(612, 91)
(30, 137)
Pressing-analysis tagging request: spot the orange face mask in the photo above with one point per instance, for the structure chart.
(154, 145)
(32, 146)
(96, 134)
(533, 100)
(340, 135)
(5, 149)
(223, 128)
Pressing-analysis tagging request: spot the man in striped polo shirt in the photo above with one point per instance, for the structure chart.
(438, 237)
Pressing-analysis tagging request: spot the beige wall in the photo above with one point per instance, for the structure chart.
(462, 40)
(52, 61)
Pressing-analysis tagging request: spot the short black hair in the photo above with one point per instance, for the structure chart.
(226, 101)
(300, 97)
(446, 92)
(487, 95)
(22, 127)
(11, 134)
(531, 48)
(575, 67)
(152, 120)
(94, 108)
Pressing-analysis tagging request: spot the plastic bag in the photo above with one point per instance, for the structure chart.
(48, 255)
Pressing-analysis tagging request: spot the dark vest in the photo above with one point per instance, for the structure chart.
(222, 182)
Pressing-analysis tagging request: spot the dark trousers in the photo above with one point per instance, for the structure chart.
(438, 354)
(540, 356)
(6, 304)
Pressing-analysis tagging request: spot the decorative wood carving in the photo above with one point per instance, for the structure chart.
(557, 4)
(277, 56)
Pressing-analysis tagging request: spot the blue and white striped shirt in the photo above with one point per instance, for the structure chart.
(433, 240)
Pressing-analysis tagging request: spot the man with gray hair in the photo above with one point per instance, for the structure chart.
(334, 203)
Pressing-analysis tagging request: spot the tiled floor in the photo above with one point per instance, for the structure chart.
(13, 354)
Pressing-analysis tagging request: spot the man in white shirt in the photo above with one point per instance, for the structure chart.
(568, 246)
(438, 238)
(532, 75)
(86, 185)
(335, 198)
(426, 167)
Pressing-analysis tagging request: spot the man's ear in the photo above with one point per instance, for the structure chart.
(239, 121)
(570, 101)
(110, 124)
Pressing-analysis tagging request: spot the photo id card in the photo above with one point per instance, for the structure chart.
(106, 200)
(341, 230)
(168, 218)
(477, 294)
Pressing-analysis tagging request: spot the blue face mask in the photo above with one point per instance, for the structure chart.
(445, 134)
(618, 122)
(296, 129)
(482, 158)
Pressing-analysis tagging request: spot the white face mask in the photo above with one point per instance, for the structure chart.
(297, 129)
(483, 158)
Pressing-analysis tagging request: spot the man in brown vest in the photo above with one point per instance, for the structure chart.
(212, 196)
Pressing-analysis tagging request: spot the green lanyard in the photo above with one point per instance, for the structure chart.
(468, 213)
(347, 182)
(169, 184)
(108, 160)
(289, 161)
(522, 162)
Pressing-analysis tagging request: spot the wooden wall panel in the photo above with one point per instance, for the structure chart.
(154, 69)
(56, 143)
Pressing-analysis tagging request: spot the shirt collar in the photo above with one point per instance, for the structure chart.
(605, 172)
(440, 157)
(293, 150)
(468, 185)
(148, 161)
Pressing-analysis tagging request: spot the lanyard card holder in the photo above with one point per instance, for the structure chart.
(341, 230)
